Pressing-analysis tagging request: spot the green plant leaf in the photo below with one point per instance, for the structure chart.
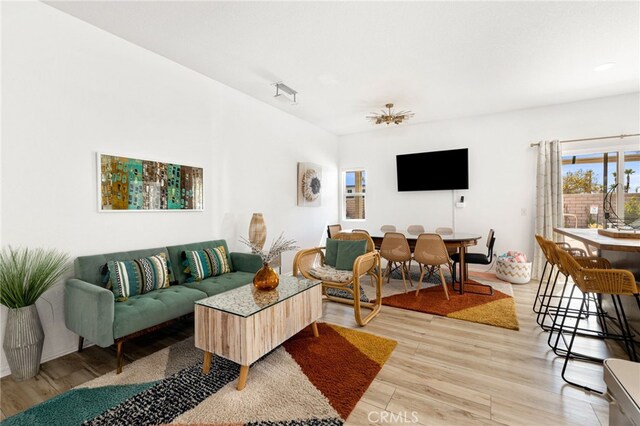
(26, 274)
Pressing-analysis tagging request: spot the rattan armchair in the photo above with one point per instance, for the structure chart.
(367, 264)
(333, 229)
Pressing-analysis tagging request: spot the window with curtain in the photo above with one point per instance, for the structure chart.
(354, 190)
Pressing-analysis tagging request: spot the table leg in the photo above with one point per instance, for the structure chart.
(314, 327)
(463, 269)
(242, 380)
(206, 366)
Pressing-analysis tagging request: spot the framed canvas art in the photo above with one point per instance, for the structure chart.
(130, 184)
(309, 184)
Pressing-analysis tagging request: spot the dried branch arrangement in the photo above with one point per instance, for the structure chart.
(279, 246)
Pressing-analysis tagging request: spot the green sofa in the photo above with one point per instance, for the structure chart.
(91, 311)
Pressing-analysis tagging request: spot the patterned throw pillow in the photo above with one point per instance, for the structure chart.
(132, 277)
(208, 262)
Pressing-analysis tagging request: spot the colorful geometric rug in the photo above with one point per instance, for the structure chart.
(498, 310)
(306, 381)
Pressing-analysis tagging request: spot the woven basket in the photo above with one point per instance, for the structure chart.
(515, 273)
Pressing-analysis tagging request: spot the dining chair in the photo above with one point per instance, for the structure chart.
(364, 231)
(444, 230)
(430, 252)
(333, 230)
(477, 259)
(415, 229)
(395, 249)
(388, 228)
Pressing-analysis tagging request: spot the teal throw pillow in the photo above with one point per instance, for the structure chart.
(348, 251)
(209, 262)
(132, 277)
(331, 252)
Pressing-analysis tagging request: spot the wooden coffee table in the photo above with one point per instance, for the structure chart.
(244, 324)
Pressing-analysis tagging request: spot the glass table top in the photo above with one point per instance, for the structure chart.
(247, 300)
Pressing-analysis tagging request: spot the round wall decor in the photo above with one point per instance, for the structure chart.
(311, 185)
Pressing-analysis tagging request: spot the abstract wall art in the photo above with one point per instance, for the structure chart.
(309, 184)
(129, 184)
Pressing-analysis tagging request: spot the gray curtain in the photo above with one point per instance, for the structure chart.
(549, 208)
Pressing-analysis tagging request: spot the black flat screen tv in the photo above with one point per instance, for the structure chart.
(433, 171)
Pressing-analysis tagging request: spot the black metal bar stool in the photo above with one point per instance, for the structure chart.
(596, 281)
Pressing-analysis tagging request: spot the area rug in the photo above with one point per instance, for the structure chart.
(498, 310)
(306, 381)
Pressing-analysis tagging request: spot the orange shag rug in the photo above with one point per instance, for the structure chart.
(498, 310)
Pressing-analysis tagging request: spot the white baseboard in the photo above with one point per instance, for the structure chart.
(5, 371)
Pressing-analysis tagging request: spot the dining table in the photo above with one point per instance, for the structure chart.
(457, 240)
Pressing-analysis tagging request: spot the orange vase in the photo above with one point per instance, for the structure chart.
(266, 278)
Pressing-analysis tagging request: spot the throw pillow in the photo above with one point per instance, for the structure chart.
(348, 251)
(105, 277)
(331, 252)
(208, 262)
(131, 277)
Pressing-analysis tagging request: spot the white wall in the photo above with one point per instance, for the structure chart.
(501, 166)
(71, 90)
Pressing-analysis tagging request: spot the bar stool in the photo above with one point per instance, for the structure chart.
(613, 282)
(554, 311)
(543, 304)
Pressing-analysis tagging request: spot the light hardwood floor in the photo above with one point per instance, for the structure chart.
(443, 371)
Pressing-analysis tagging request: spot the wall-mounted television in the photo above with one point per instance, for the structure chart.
(433, 171)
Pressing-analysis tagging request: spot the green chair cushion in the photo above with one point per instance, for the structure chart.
(221, 283)
(331, 252)
(348, 251)
(149, 309)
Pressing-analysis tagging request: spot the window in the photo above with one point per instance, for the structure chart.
(589, 186)
(354, 194)
(631, 186)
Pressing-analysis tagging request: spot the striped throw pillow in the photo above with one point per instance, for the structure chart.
(132, 277)
(208, 262)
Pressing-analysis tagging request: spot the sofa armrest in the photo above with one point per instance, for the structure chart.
(89, 311)
(246, 262)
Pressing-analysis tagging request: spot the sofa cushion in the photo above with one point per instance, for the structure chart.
(89, 268)
(175, 256)
(222, 283)
(131, 277)
(208, 262)
(153, 308)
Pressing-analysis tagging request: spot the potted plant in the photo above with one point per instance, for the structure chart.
(24, 275)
